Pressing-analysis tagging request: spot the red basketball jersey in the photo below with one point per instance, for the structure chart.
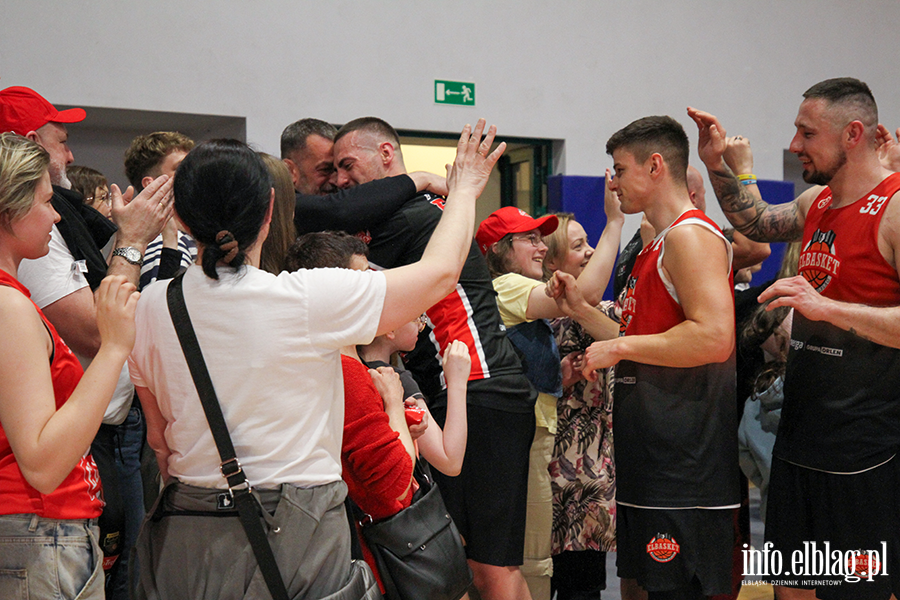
(838, 243)
(842, 392)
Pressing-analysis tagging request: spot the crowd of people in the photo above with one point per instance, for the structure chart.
(352, 328)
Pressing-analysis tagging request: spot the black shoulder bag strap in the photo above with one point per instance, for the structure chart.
(238, 486)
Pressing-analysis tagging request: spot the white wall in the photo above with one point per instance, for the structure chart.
(575, 71)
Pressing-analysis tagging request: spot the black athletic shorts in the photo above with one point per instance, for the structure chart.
(487, 499)
(813, 514)
(666, 549)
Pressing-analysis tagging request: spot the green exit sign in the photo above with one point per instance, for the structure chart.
(454, 92)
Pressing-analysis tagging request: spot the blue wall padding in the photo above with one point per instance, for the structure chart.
(583, 196)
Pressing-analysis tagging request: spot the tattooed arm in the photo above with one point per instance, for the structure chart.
(742, 205)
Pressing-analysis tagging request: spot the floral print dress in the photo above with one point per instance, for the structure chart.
(582, 470)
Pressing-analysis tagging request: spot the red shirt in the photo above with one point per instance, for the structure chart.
(674, 428)
(374, 462)
(838, 258)
(842, 392)
(79, 495)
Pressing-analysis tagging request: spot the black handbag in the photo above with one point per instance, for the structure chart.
(419, 551)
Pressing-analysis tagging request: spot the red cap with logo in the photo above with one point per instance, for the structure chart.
(22, 110)
(510, 219)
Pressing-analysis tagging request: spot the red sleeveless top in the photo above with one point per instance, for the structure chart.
(78, 496)
(838, 257)
(841, 409)
(674, 427)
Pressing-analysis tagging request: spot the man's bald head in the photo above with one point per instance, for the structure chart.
(696, 188)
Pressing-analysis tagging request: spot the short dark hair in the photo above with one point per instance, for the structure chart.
(294, 136)
(223, 185)
(323, 249)
(657, 134)
(853, 97)
(148, 151)
(499, 256)
(86, 180)
(374, 125)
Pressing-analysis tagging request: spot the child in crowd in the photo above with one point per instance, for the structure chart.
(377, 451)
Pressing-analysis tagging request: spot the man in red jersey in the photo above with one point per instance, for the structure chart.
(834, 473)
(674, 415)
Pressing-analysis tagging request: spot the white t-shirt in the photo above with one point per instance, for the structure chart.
(271, 344)
(55, 276)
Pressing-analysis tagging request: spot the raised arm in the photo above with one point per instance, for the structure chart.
(445, 449)
(888, 148)
(743, 208)
(74, 315)
(48, 442)
(412, 289)
(739, 158)
(594, 278)
(697, 265)
(362, 206)
(139, 220)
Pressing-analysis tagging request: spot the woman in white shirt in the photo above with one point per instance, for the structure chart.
(271, 344)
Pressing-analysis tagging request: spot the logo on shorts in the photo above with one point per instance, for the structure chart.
(859, 564)
(663, 548)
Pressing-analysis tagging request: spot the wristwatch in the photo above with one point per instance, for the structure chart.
(129, 253)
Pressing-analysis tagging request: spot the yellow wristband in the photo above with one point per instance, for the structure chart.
(746, 176)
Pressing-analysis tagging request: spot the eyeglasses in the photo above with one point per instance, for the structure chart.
(535, 238)
(422, 322)
(104, 197)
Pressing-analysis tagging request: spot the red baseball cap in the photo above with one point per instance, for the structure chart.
(22, 110)
(510, 219)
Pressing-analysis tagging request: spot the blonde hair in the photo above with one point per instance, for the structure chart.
(22, 165)
(557, 243)
(282, 232)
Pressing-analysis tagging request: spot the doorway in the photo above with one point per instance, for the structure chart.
(520, 178)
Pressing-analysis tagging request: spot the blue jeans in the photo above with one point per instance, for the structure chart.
(49, 558)
(130, 436)
(117, 452)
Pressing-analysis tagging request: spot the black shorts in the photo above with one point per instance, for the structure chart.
(487, 499)
(666, 549)
(814, 513)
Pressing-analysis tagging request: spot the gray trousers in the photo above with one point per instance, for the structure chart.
(208, 557)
